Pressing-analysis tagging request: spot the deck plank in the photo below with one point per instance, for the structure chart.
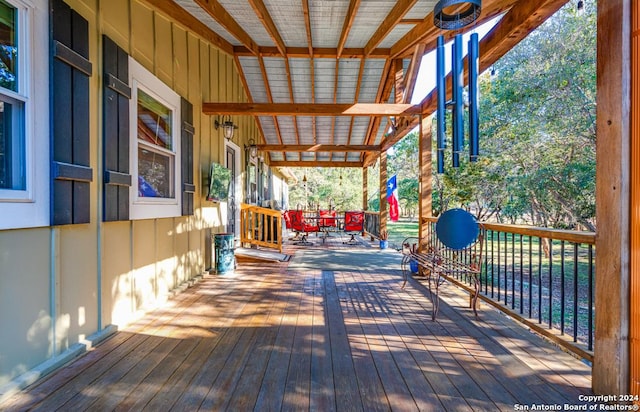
(279, 337)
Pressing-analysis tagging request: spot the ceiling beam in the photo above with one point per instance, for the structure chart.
(346, 27)
(314, 163)
(320, 52)
(393, 18)
(188, 21)
(219, 14)
(318, 148)
(311, 109)
(264, 16)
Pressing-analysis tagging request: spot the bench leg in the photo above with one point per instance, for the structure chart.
(435, 299)
(473, 299)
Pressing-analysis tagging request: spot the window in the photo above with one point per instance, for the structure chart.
(24, 136)
(155, 145)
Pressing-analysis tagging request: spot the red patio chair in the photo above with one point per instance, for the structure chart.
(327, 222)
(353, 225)
(300, 225)
(287, 223)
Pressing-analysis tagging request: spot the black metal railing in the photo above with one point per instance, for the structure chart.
(372, 223)
(543, 278)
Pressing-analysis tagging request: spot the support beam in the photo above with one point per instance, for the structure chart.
(311, 109)
(634, 329)
(383, 191)
(313, 163)
(317, 148)
(611, 349)
(365, 188)
(319, 52)
(425, 179)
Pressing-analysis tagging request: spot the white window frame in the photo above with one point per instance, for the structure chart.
(150, 207)
(30, 207)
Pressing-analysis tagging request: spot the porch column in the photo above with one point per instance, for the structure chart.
(611, 348)
(365, 188)
(425, 208)
(383, 190)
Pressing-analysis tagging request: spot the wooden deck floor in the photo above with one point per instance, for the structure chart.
(284, 336)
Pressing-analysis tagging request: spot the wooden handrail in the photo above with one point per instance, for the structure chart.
(575, 236)
(261, 226)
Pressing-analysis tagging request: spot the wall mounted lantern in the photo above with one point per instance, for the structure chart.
(228, 127)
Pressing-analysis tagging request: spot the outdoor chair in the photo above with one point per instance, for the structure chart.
(287, 224)
(300, 225)
(327, 222)
(454, 253)
(353, 225)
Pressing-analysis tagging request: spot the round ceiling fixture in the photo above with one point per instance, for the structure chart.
(467, 14)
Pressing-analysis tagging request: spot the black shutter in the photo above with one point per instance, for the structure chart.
(116, 97)
(186, 155)
(71, 174)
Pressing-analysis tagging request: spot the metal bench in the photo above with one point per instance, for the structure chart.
(454, 253)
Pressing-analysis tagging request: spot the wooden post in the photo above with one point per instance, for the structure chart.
(611, 349)
(634, 329)
(383, 190)
(425, 178)
(365, 188)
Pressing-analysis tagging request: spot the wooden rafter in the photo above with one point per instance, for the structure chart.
(188, 21)
(356, 97)
(397, 13)
(264, 16)
(398, 80)
(267, 88)
(291, 97)
(243, 80)
(219, 14)
(384, 91)
(412, 73)
(319, 148)
(346, 27)
(335, 100)
(307, 24)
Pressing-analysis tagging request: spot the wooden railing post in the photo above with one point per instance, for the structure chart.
(383, 190)
(425, 178)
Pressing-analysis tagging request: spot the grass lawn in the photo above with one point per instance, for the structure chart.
(400, 230)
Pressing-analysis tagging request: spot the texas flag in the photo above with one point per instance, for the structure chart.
(392, 198)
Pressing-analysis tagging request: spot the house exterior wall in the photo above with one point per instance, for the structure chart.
(61, 284)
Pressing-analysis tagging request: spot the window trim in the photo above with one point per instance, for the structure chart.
(149, 207)
(30, 207)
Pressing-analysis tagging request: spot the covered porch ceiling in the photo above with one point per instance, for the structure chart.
(330, 82)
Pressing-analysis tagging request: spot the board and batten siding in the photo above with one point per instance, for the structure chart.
(69, 282)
